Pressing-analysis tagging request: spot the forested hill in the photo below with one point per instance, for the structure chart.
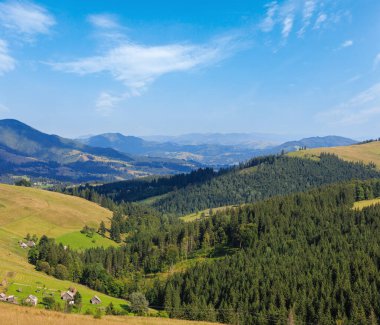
(307, 258)
(255, 180)
(260, 179)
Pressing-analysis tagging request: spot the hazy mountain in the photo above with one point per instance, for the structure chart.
(255, 140)
(27, 151)
(315, 142)
(207, 153)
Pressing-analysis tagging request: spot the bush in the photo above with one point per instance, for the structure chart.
(139, 304)
(98, 313)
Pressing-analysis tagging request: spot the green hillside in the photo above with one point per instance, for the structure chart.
(27, 210)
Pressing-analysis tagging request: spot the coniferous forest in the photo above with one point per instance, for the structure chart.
(302, 258)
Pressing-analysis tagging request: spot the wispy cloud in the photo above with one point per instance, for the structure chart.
(287, 26)
(106, 21)
(376, 61)
(322, 17)
(357, 110)
(25, 18)
(270, 18)
(7, 63)
(299, 15)
(347, 43)
(3, 109)
(106, 102)
(137, 65)
(307, 15)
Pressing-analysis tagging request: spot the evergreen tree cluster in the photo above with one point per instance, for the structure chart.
(262, 178)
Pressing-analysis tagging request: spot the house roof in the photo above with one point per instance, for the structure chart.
(96, 298)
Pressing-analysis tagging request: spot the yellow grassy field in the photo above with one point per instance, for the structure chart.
(368, 152)
(10, 314)
(206, 213)
(366, 203)
(27, 210)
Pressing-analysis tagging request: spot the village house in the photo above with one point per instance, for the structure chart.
(11, 299)
(95, 300)
(30, 243)
(3, 297)
(23, 245)
(68, 296)
(32, 300)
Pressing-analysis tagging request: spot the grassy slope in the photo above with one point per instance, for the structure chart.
(368, 152)
(25, 210)
(10, 314)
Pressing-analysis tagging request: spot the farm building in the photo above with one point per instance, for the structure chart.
(33, 300)
(3, 297)
(95, 300)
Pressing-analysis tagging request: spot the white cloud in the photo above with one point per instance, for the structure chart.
(103, 21)
(106, 102)
(291, 14)
(25, 18)
(322, 17)
(7, 63)
(357, 110)
(288, 25)
(269, 21)
(347, 43)
(307, 14)
(137, 66)
(376, 62)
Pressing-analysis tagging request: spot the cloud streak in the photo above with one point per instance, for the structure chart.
(7, 63)
(25, 18)
(292, 14)
(376, 61)
(103, 21)
(357, 110)
(136, 66)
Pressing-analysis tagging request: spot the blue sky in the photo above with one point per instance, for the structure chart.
(298, 67)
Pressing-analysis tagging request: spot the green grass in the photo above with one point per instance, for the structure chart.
(360, 205)
(78, 241)
(366, 153)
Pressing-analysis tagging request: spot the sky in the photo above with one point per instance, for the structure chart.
(291, 67)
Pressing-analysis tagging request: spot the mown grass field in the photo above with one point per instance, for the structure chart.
(360, 205)
(39, 212)
(10, 314)
(202, 214)
(367, 153)
(79, 241)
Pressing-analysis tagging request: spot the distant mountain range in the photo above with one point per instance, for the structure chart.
(27, 151)
(217, 150)
(113, 156)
